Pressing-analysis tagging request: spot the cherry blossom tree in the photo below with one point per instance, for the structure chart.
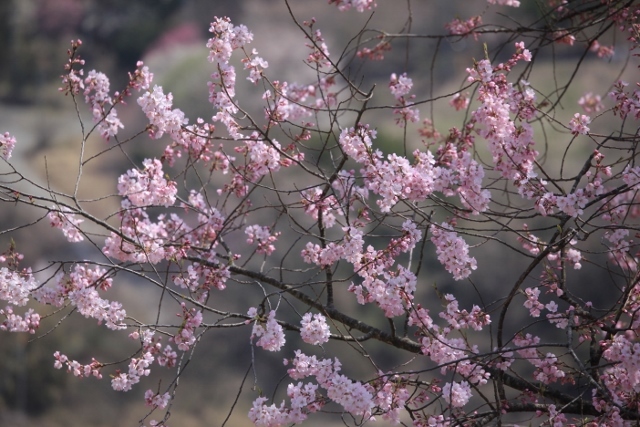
(333, 243)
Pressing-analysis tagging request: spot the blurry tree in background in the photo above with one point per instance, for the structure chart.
(372, 260)
(32, 34)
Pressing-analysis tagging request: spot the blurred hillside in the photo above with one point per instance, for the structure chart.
(169, 35)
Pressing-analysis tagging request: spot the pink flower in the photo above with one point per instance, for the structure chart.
(7, 143)
(262, 236)
(512, 3)
(359, 5)
(158, 108)
(148, 187)
(563, 37)
(591, 103)
(29, 322)
(459, 101)
(457, 394)
(578, 124)
(400, 86)
(69, 223)
(314, 331)
(464, 28)
(157, 400)
(15, 288)
(270, 332)
(96, 94)
(601, 51)
(452, 251)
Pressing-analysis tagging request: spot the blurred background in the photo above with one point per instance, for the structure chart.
(170, 36)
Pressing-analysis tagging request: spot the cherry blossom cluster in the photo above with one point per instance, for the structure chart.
(605, 52)
(453, 251)
(457, 394)
(7, 143)
(62, 218)
(459, 173)
(138, 368)
(390, 397)
(319, 56)
(400, 87)
(627, 103)
(510, 139)
(255, 65)
(556, 419)
(359, 5)
(355, 397)
(462, 319)
(459, 101)
(227, 38)
(591, 103)
(163, 118)
(349, 249)
(262, 157)
(563, 37)
(166, 356)
(319, 206)
(548, 367)
(619, 246)
(76, 368)
(303, 399)
(578, 124)
(376, 53)
(96, 91)
(16, 287)
(72, 81)
(156, 400)
(80, 288)
(458, 27)
(392, 290)
(149, 187)
(269, 332)
(314, 329)
(96, 95)
(620, 378)
(512, 3)
(192, 319)
(28, 322)
(140, 239)
(210, 221)
(532, 304)
(348, 191)
(199, 279)
(141, 78)
(395, 179)
(453, 354)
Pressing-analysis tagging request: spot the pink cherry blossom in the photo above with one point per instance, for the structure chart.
(359, 5)
(464, 28)
(16, 287)
(66, 221)
(148, 187)
(578, 124)
(269, 331)
(457, 394)
(512, 3)
(314, 331)
(453, 251)
(591, 103)
(7, 144)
